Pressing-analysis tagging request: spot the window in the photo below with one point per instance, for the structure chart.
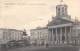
(63, 38)
(62, 10)
(58, 9)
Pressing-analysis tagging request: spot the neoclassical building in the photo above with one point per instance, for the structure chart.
(39, 35)
(61, 25)
(7, 35)
(62, 29)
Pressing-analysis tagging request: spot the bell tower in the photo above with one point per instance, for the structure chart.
(61, 10)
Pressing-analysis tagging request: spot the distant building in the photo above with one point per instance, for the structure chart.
(76, 35)
(9, 35)
(39, 35)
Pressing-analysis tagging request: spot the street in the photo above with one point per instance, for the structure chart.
(45, 49)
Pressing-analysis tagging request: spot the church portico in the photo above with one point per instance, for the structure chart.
(60, 35)
(61, 26)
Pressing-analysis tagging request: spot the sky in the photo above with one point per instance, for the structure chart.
(29, 14)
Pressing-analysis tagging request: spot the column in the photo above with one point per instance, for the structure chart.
(49, 38)
(70, 34)
(65, 35)
(49, 34)
(56, 36)
(52, 36)
(61, 35)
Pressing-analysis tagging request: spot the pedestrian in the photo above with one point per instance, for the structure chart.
(47, 45)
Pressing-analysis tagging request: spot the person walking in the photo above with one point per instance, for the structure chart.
(47, 45)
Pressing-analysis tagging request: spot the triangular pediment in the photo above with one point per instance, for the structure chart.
(59, 21)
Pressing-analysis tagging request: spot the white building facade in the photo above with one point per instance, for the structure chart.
(39, 35)
(7, 35)
(76, 34)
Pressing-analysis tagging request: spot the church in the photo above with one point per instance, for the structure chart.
(62, 29)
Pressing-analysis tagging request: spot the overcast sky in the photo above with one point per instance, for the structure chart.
(28, 14)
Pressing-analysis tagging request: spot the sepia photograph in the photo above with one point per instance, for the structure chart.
(39, 25)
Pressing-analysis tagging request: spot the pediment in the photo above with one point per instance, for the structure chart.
(59, 21)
